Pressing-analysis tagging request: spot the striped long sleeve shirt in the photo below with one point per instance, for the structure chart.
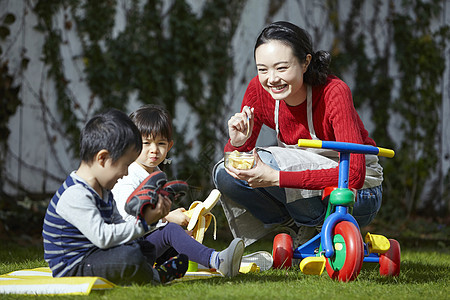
(78, 220)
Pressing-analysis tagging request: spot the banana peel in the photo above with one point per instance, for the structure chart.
(200, 216)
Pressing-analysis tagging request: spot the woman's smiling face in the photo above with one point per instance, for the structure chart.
(280, 72)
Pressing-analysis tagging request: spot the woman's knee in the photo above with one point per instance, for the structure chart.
(224, 182)
(268, 158)
(367, 205)
(307, 212)
(218, 173)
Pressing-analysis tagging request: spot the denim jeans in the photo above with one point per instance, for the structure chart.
(269, 204)
(123, 264)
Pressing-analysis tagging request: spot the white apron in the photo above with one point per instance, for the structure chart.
(292, 158)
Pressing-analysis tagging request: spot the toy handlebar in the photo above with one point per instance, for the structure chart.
(346, 147)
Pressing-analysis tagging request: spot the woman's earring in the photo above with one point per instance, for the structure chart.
(167, 161)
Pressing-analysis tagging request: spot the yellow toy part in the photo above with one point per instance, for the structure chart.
(377, 243)
(200, 215)
(249, 268)
(313, 265)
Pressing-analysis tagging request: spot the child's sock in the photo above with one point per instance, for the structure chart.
(175, 267)
(214, 261)
(228, 261)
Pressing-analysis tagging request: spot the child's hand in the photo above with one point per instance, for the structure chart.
(162, 208)
(177, 216)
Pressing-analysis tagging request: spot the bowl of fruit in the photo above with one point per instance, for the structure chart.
(239, 160)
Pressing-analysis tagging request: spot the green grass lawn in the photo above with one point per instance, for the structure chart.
(425, 274)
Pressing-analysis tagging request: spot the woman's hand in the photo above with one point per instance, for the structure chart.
(240, 126)
(259, 176)
(162, 208)
(177, 216)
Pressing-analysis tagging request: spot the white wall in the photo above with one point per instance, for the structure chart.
(40, 166)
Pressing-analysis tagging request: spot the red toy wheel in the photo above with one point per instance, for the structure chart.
(347, 261)
(390, 261)
(283, 251)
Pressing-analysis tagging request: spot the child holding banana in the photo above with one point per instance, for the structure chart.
(170, 238)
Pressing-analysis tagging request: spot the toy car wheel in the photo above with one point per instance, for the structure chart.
(347, 261)
(282, 251)
(390, 261)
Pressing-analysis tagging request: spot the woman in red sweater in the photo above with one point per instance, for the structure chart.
(295, 95)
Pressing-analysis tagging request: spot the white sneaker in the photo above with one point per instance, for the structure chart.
(262, 259)
(230, 258)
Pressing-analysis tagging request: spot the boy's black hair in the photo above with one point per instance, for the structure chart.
(153, 120)
(112, 130)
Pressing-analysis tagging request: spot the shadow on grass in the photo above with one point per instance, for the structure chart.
(419, 266)
(411, 272)
(257, 278)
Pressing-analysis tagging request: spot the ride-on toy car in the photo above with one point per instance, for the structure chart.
(339, 246)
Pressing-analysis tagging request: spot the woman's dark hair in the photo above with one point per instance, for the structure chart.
(153, 120)
(300, 42)
(113, 131)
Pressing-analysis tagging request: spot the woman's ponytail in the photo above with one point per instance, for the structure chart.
(318, 69)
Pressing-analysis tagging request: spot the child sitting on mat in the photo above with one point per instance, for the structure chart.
(84, 234)
(155, 126)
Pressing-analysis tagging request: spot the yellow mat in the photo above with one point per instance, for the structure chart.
(39, 281)
(200, 274)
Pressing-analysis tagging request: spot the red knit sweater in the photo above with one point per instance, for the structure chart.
(335, 119)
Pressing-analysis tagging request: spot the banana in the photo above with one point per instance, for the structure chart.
(200, 216)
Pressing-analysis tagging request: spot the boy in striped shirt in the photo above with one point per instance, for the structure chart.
(83, 232)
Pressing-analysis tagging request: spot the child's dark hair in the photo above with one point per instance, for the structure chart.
(300, 42)
(153, 120)
(112, 130)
